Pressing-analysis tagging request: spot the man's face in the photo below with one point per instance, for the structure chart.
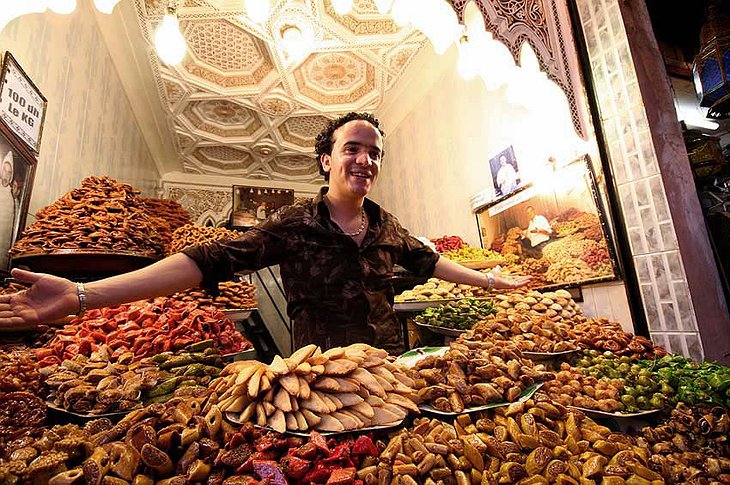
(530, 213)
(354, 164)
(6, 173)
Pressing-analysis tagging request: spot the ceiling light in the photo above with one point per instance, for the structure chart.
(169, 41)
(384, 6)
(499, 66)
(258, 10)
(293, 42)
(62, 6)
(402, 11)
(467, 64)
(105, 6)
(342, 7)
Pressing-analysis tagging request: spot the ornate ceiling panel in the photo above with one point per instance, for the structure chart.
(239, 104)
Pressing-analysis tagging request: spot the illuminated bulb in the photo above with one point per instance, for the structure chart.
(293, 42)
(62, 6)
(443, 26)
(468, 60)
(402, 11)
(342, 7)
(105, 6)
(499, 67)
(384, 6)
(258, 10)
(169, 41)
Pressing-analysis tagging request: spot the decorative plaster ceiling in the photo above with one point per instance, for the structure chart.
(239, 105)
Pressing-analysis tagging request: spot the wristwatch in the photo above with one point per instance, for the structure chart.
(490, 281)
(81, 292)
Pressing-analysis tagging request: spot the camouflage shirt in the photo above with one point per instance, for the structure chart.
(337, 293)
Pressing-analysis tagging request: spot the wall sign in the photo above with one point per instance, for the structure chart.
(22, 105)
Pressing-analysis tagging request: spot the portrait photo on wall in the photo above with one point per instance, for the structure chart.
(505, 172)
(554, 231)
(17, 168)
(251, 205)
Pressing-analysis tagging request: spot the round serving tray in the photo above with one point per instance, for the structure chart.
(84, 263)
(542, 356)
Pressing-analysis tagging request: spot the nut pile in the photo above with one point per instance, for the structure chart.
(555, 305)
(168, 210)
(101, 215)
(97, 385)
(602, 334)
(341, 389)
(233, 295)
(19, 372)
(471, 253)
(531, 333)
(692, 446)
(436, 289)
(191, 235)
(536, 442)
(472, 374)
(570, 270)
(575, 223)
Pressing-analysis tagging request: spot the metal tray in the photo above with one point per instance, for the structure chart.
(88, 416)
(451, 332)
(84, 263)
(248, 354)
(236, 314)
(233, 418)
(418, 305)
(524, 396)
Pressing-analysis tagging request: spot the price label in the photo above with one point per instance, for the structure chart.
(22, 106)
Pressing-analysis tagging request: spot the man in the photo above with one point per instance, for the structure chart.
(8, 206)
(335, 252)
(506, 176)
(537, 234)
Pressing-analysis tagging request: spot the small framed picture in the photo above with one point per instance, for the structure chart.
(251, 205)
(17, 170)
(505, 172)
(22, 105)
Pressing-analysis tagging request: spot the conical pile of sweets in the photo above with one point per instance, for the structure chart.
(338, 390)
(169, 210)
(101, 215)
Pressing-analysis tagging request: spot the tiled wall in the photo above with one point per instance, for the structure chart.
(90, 128)
(665, 293)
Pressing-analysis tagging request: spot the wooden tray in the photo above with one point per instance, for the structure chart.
(84, 263)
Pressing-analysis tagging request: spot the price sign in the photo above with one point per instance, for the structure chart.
(22, 105)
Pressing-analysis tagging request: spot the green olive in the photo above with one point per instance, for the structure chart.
(642, 402)
(657, 401)
(624, 368)
(666, 389)
(641, 389)
(636, 369)
(644, 381)
(628, 400)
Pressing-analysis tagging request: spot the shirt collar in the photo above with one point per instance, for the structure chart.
(320, 210)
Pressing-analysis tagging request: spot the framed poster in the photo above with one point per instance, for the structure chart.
(554, 230)
(17, 170)
(505, 172)
(22, 105)
(252, 205)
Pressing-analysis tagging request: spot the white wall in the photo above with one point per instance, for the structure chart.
(90, 128)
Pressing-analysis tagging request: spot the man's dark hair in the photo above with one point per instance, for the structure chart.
(324, 142)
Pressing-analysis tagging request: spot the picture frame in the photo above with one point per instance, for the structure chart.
(17, 173)
(251, 205)
(22, 104)
(555, 231)
(505, 172)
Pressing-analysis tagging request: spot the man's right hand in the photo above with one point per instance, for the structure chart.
(49, 298)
